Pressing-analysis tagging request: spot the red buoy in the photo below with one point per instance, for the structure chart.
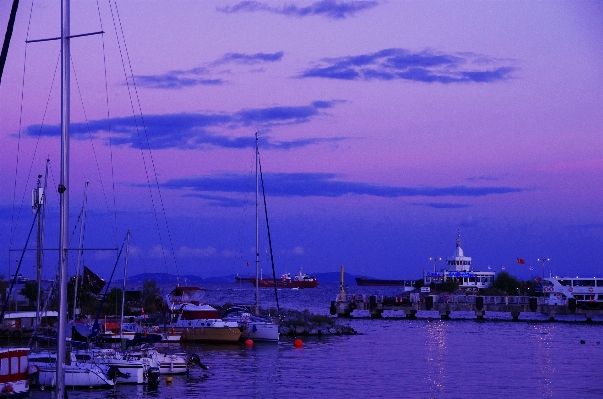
(298, 343)
(249, 342)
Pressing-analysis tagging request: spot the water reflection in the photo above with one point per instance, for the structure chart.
(542, 335)
(436, 348)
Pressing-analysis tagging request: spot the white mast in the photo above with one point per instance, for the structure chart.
(257, 232)
(64, 199)
(123, 294)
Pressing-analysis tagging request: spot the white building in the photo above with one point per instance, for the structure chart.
(458, 269)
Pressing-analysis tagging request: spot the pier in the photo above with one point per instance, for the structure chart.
(410, 304)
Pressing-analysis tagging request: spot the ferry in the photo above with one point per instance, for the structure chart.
(458, 268)
(588, 292)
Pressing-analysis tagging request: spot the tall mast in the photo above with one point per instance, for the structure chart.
(123, 293)
(64, 199)
(257, 231)
(37, 201)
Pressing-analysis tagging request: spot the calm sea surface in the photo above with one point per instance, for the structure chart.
(390, 358)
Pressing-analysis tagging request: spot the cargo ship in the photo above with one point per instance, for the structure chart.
(301, 280)
(364, 281)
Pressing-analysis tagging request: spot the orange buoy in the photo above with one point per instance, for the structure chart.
(249, 342)
(298, 343)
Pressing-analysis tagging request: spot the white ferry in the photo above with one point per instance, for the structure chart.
(458, 269)
(586, 291)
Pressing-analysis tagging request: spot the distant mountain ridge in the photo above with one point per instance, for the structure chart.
(191, 279)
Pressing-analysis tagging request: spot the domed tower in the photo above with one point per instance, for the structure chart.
(458, 262)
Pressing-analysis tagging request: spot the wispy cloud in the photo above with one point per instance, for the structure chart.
(329, 8)
(202, 75)
(249, 59)
(400, 64)
(442, 205)
(326, 185)
(194, 131)
(486, 178)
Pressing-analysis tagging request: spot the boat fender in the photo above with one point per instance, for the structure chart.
(352, 306)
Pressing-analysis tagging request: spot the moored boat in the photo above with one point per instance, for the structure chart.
(198, 322)
(14, 371)
(78, 373)
(256, 328)
(586, 291)
(123, 369)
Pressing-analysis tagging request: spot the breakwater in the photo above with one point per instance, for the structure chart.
(295, 323)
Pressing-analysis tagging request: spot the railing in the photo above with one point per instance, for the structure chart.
(489, 300)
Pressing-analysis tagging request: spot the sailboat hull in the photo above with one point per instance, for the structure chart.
(261, 331)
(210, 334)
(74, 377)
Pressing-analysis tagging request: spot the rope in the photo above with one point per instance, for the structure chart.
(278, 310)
(129, 73)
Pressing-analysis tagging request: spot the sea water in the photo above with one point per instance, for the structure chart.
(391, 357)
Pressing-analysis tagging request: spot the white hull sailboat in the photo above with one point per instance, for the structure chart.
(254, 326)
(123, 369)
(77, 373)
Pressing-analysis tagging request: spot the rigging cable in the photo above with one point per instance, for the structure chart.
(109, 126)
(278, 310)
(143, 127)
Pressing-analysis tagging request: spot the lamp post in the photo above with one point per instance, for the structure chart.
(542, 260)
(434, 263)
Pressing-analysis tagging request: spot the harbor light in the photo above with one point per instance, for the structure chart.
(542, 260)
(434, 262)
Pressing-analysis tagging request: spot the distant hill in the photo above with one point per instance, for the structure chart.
(190, 279)
(160, 278)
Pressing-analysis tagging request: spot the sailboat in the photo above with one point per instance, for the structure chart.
(77, 373)
(255, 326)
(196, 321)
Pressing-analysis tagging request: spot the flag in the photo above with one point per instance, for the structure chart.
(144, 316)
(521, 261)
(93, 282)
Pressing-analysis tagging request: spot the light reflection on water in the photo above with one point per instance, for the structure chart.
(392, 358)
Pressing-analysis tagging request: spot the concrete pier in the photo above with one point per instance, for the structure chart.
(445, 304)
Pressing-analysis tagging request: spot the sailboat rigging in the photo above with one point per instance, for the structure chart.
(256, 326)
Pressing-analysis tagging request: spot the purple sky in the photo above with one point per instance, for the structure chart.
(385, 127)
